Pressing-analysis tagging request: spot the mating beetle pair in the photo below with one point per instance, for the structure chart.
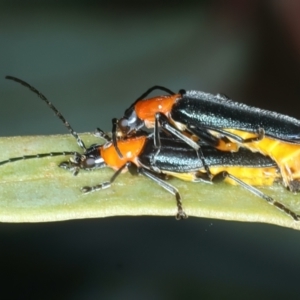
(158, 155)
(221, 123)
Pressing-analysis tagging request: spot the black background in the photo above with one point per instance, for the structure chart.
(92, 59)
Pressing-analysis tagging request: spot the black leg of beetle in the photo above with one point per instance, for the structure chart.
(104, 185)
(114, 136)
(222, 175)
(132, 168)
(199, 132)
(101, 134)
(260, 135)
(180, 212)
(157, 143)
(206, 138)
(41, 155)
(40, 95)
(164, 123)
(73, 165)
(162, 120)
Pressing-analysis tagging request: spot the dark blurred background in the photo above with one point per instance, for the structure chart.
(92, 59)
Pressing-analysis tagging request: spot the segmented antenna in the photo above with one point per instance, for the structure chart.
(42, 155)
(71, 130)
(144, 95)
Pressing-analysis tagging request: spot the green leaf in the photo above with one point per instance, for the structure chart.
(37, 190)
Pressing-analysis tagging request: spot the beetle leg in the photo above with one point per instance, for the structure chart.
(260, 135)
(170, 188)
(104, 185)
(114, 136)
(161, 119)
(223, 175)
(101, 134)
(73, 165)
(203, 133)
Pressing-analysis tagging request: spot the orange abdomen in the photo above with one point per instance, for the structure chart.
(286, 155)
(251, 175)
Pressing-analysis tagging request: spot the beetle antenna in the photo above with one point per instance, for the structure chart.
(41, 155)
(40, 95)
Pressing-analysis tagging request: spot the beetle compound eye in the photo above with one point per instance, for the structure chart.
(123, 125)
(90, 162)
(130, 124)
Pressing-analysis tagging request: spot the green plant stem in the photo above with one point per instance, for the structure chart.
(37, 190)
